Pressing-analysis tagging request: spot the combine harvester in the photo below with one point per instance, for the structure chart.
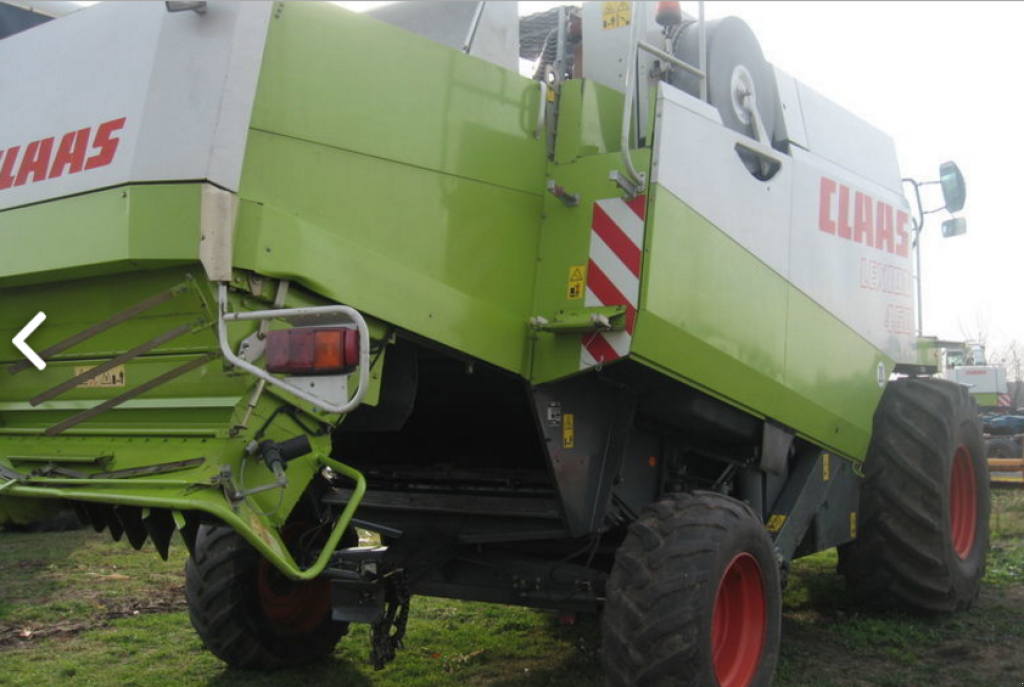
(629, 338)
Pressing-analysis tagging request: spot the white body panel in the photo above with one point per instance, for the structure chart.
(839, 136)
(814, 222)
(869, 288)
(981, 379)
(695, 158)
(449, 23)
(183, 83)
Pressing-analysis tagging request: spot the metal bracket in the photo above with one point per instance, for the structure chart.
(570, 200)
(252, 346)
(218, 211)
(606, 318)
(631, 189)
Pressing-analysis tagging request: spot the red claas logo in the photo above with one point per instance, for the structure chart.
(864, 220)
(51, 158)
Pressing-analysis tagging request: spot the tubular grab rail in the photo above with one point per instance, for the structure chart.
(223, 317)
(636, 181)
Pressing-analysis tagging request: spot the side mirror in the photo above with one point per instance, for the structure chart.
(954, 191)
(954, 227)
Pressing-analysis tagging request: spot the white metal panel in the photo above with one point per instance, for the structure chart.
(839, 136)
(695, 159)
(842, 255)
(802, 227)
(497, 37)
(790, 113)
(449, 23)
(183, 83)
(981, 379)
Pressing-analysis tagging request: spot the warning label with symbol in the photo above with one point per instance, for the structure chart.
(568, 431)
(577, 282)
(615, 15)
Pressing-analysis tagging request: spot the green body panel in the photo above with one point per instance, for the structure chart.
(452, 261)
(349, 81)
(590, 121)
(99, 233)
(986, 400)
(715, 316)
(410, 190)
(564, 244)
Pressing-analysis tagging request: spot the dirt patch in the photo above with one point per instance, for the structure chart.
(166, 601)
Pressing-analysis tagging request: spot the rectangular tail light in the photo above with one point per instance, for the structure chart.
(312, 351)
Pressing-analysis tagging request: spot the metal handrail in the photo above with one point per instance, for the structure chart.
(223, 317)
(635, 178)
(542, 111)
(659, 53)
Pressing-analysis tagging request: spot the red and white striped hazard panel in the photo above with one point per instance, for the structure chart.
(613, 273)
(1003, 400)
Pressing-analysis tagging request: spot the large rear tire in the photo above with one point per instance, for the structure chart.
(247, 613)
(694, 598)
(924, 506)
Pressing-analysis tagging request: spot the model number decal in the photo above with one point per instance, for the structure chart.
(53, 157)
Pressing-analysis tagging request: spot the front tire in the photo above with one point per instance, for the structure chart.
(247, 613)
(925, 503)
(694, 598)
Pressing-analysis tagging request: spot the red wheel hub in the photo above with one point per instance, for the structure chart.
(739, 623)
(292, 607)
(963, 503)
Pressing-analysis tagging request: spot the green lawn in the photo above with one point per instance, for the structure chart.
(78, 609)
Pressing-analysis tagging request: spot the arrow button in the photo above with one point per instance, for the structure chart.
(26, 332)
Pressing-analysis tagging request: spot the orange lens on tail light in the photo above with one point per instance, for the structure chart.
(312, 350)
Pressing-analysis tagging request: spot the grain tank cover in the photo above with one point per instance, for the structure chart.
(128, 92)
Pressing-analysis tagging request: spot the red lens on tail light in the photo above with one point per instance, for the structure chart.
(312, 350)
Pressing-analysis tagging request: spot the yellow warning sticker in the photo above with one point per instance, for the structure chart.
(853, 525)
(615, 15)
(111, 379)
(577, 282)
(776, 522)
(568, 431)
(825, 467)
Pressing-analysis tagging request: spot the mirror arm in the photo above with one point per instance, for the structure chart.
(919, 220)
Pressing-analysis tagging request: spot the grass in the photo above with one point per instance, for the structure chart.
(79, 610)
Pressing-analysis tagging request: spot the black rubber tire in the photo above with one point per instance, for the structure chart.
(1002, 447)
(904, 555)
(224, 604)
(657, 620)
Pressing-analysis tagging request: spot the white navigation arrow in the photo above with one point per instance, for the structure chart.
(26, 332)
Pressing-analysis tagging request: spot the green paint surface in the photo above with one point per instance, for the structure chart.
(116, 230)
(715, 316)
(396, 175)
